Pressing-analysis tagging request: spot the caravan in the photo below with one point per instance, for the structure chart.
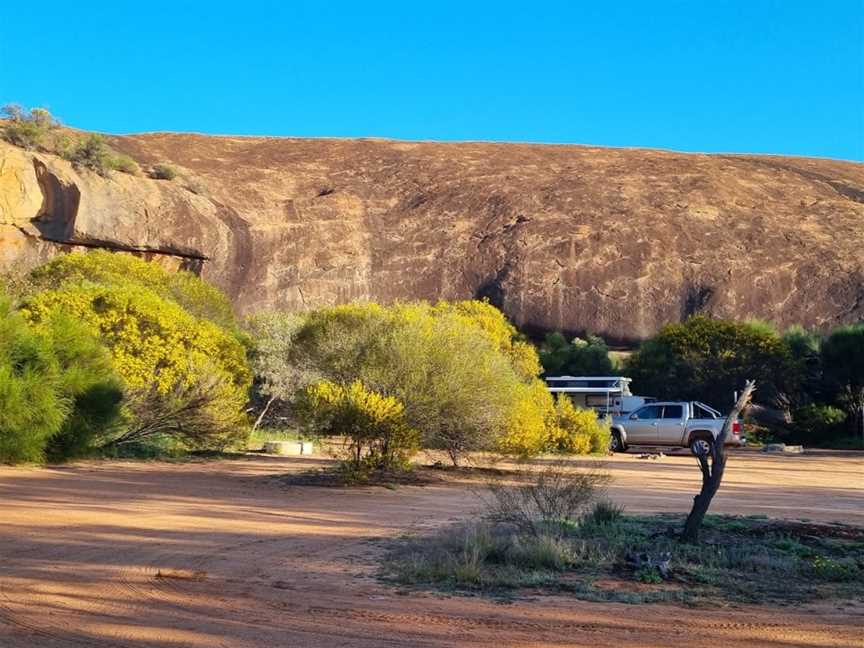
(608, 395)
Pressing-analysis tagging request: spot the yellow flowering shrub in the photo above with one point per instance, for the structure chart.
(200, 298)
(576, 430)
(156, 345)
(522, 355)
(376, 430)
(530, 417)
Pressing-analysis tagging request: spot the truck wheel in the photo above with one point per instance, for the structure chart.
(700, 446)
(616, 444)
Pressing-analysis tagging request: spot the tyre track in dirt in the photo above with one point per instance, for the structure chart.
(144, 555)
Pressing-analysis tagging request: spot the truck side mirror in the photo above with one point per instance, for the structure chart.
(633, 417)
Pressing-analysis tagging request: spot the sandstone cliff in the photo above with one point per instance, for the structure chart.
(616, 241)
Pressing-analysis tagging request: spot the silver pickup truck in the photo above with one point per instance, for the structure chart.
(679, 424)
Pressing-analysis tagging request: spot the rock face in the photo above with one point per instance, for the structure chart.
(615, 241)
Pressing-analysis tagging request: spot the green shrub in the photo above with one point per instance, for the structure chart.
(818, 424)
(843, 367)
(33, 406)
(540, 552)
(543, 500)
(163, 172)
(580, 357)
(458, 369)
(124, 164)
(86, 378)
(604, 512)
(837, 570)
(91, 153)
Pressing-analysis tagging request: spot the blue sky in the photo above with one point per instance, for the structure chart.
(767, 76)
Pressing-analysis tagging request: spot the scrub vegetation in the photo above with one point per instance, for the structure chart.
(38, 130)
(551, 529)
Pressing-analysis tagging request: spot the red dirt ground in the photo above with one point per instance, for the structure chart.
(138, 555)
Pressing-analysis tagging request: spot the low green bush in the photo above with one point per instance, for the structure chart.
(163, 172)
(91, 153)
(124, 164)
(88, 379)
(818, 424)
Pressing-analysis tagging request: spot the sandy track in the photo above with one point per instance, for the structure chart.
(139, 555)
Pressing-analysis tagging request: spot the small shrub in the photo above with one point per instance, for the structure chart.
(163, 172)
(818, 424)
(542, 499)
(377, 433)
(197, 187)
(124, 164)
(837, 570)
(91, 153)
(604, 512)
(650, 575)
(545, 551)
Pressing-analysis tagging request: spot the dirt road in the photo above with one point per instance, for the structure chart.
(139, 555)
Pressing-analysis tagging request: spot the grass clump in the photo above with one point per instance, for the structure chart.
(540, 499)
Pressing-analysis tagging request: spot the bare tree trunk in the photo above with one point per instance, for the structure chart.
(263, 413)
(712, 473)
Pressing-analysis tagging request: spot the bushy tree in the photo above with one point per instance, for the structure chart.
(707, 359)
(33, 406)
(803, 383)
(499, 330)
(466, 379)
(580, 357)
(818, 424)
(280, 373)
(843, 367)
(87, 378)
